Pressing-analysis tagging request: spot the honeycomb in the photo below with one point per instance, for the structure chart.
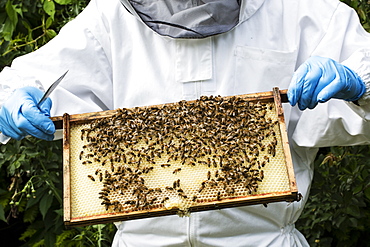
(176, 156)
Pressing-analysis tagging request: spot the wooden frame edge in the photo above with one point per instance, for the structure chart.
(66, 171)
(284, 139)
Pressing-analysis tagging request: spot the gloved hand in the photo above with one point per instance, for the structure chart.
(320, 79)
(20, 116)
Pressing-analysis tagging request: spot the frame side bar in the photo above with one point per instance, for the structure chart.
(284, 139)
(66, 170)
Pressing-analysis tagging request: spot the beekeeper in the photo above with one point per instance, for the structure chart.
(136, 53)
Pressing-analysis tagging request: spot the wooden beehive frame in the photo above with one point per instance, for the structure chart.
(276, 96)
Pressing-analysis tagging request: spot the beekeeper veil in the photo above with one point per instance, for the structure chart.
(186, 18)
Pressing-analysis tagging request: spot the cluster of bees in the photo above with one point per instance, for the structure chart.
(230, 140)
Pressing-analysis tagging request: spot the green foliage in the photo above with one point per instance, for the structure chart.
(26, 25)
(96, 235)
(31, 169)
(336, 213)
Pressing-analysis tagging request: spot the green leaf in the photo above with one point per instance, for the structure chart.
(12, 13)
(49, 8)
(11, 22)
(65, 236)
(353, 222)
(18, 9)
(30, 214)
(2, 213)
(338, 221)
(367, 193)
(45, 204)
(367, 27)
(353, 210)
(59, 212)
(362, 14)
(63, 2)
(28, 234)
(50, 33)
(357, 189)
(49, 21)
(7, 30)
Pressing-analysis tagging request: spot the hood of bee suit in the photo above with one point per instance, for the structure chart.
(192, 18)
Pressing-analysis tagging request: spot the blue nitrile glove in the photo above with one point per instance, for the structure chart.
(320, 79)
(20, 116)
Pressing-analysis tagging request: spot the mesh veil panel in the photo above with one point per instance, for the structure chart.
(188, 19)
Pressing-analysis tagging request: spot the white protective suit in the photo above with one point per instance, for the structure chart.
(115, 60)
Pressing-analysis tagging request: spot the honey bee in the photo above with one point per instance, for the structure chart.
(209, 162)
(89, 156)
(214, 163)
(218, 196)
(201, 187)
(130, 202)
(165, 165)
(82, 134)
(103, 193)
(106, 190)
(146, 170)
(170, 158)
(91, 177)
(86, 162)
(165, 199)
(153, 200)
(81, 155)
(158, 190)
(259, 164)
(174, 184)
(123, 156)
(105, 198)
(216, 174)
(176, 170)
(230, 190)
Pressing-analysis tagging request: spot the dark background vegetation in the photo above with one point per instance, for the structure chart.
(337, 213)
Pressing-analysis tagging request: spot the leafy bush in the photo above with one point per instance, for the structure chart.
(30, 170)
(337, 212)
(26, 25)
